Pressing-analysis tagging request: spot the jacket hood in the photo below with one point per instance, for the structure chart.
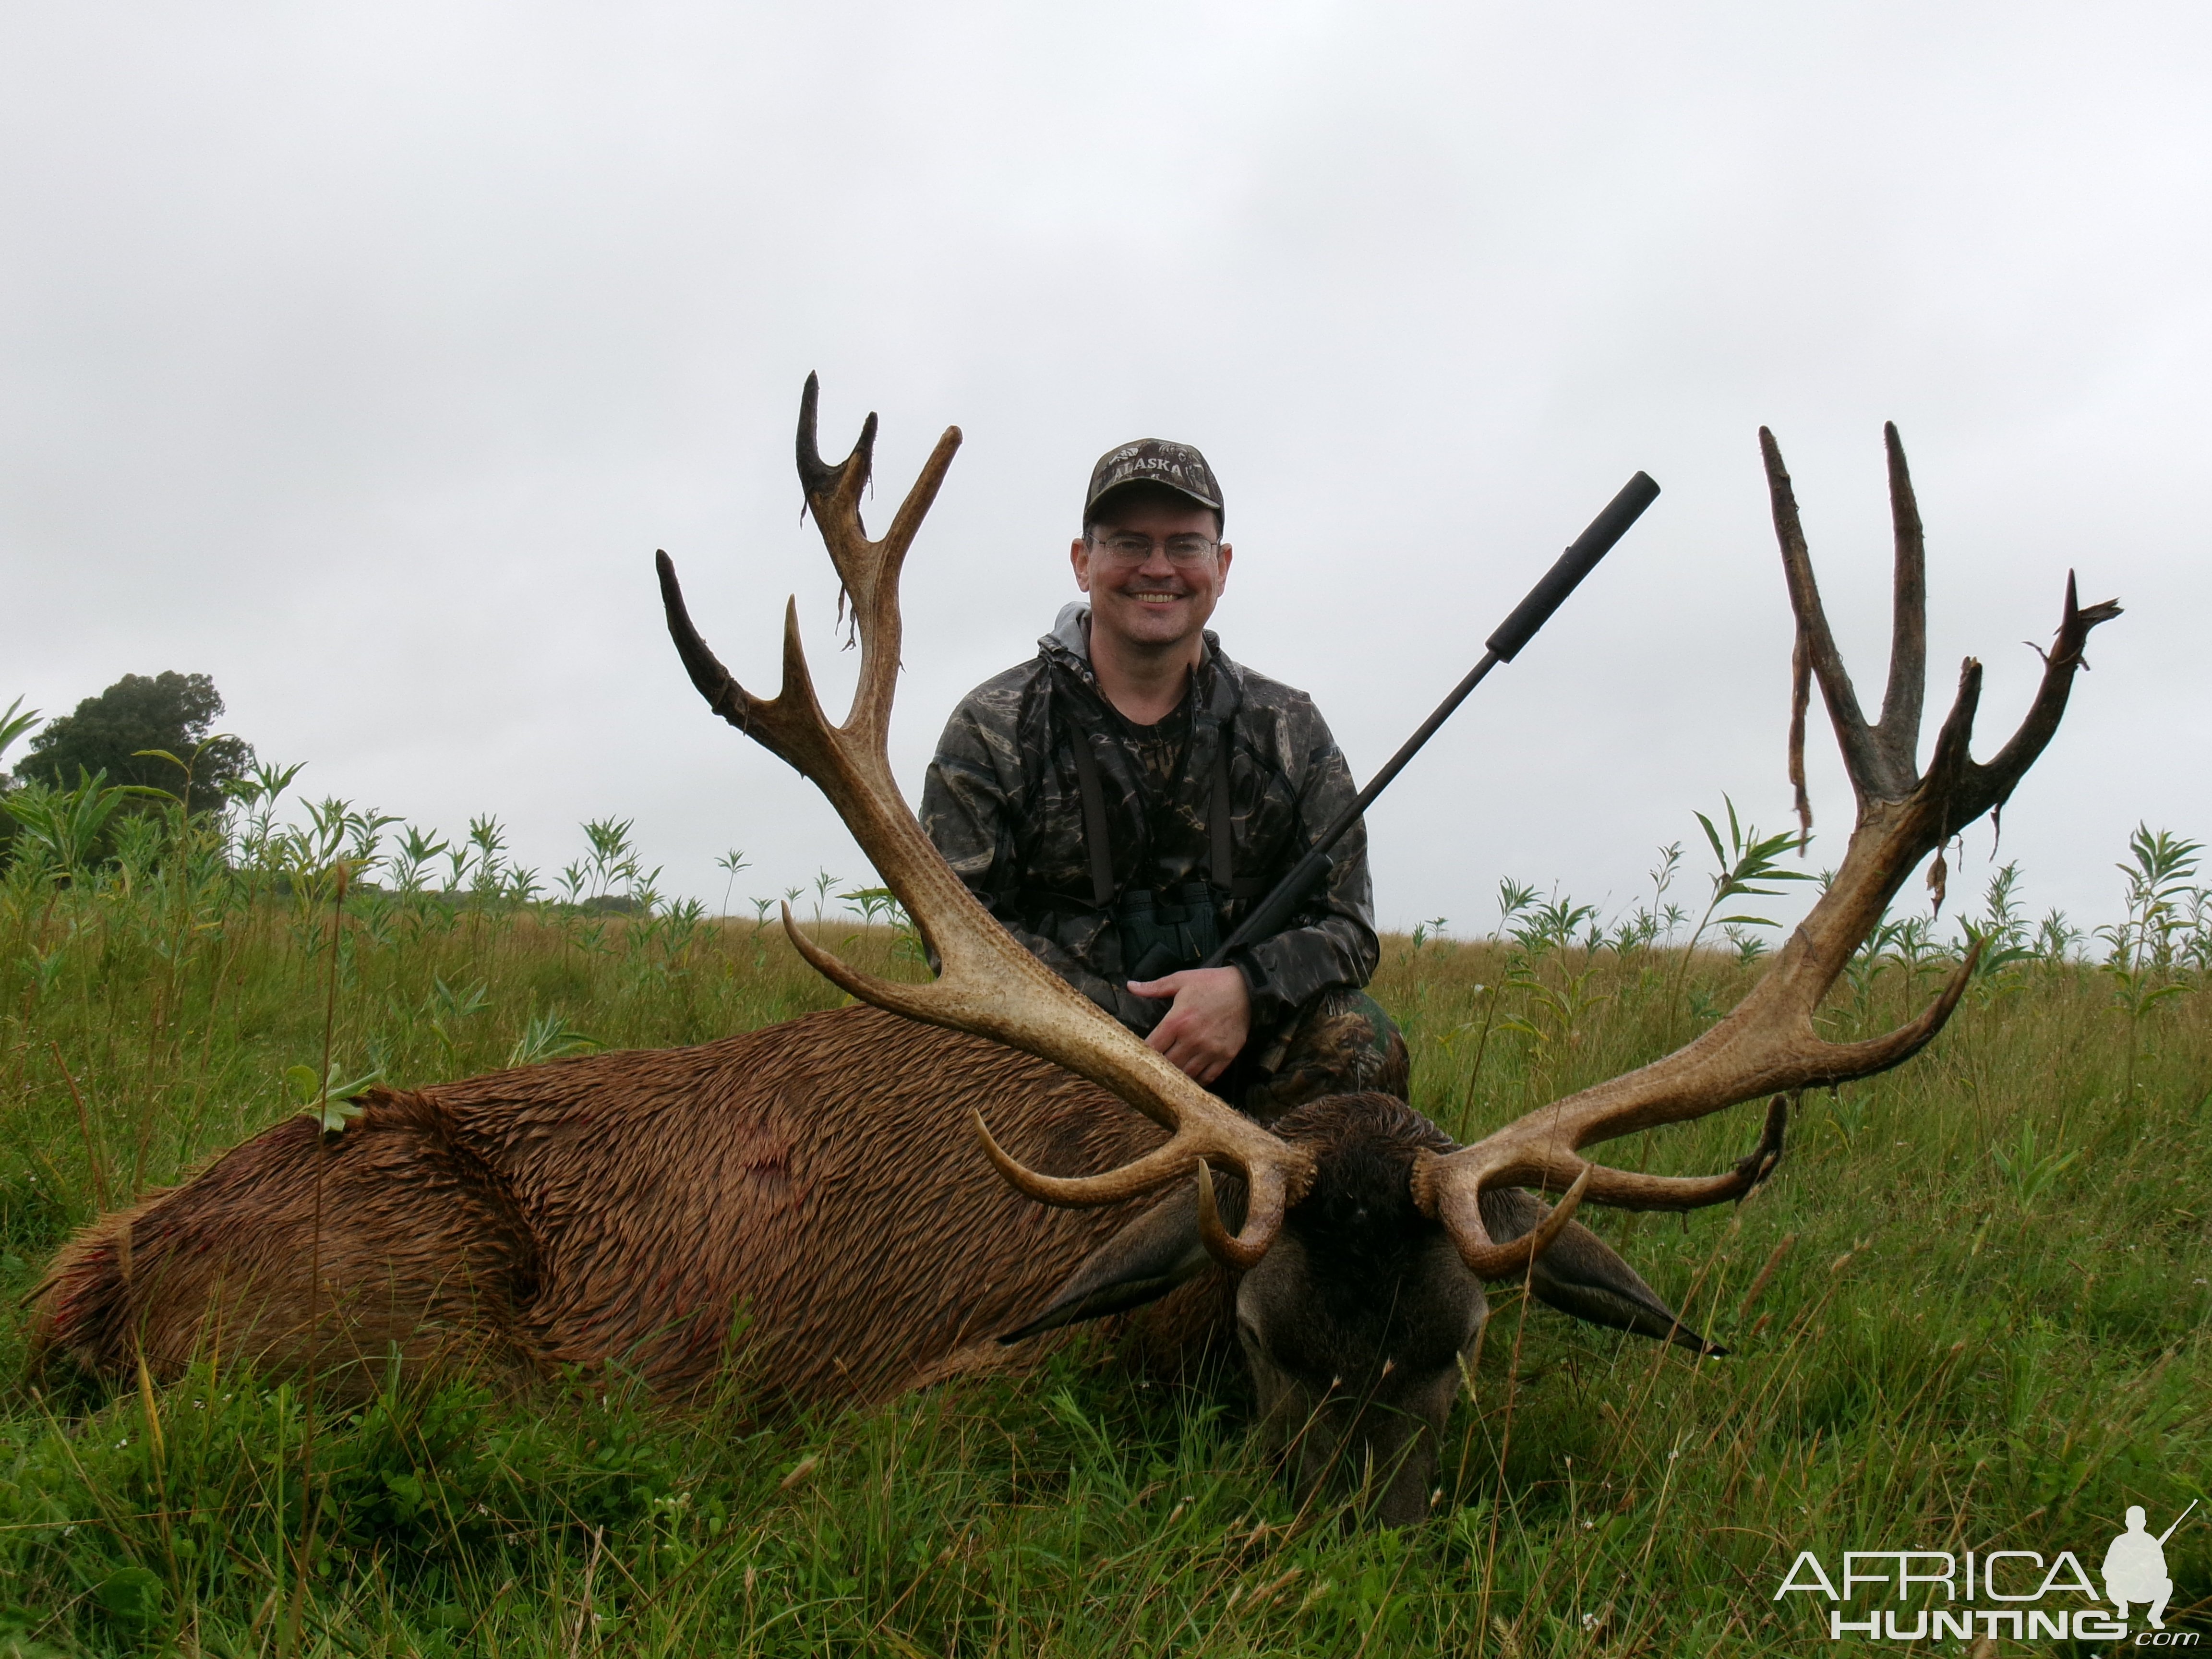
(1069, 641)
(1071, 632)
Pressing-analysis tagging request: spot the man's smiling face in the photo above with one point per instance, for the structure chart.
(1153, 567)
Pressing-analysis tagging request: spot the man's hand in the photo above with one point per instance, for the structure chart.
(1207, 1028)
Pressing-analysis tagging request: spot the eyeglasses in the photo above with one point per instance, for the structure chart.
(1136, 549)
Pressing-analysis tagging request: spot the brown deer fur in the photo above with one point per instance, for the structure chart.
(817, 1177)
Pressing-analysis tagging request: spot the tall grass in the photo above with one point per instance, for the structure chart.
(1972, 1310)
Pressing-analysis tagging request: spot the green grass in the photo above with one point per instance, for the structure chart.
(1971, 1311)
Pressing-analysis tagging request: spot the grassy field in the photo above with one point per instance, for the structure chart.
(1970, 1312)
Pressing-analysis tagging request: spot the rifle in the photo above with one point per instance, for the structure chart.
(1515, 631)
(2176, 1527)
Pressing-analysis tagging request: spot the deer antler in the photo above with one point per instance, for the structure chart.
(988, 984)
(1768, 1045)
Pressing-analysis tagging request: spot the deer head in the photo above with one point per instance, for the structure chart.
(1362, 1235)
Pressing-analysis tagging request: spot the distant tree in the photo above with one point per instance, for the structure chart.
(172, 711)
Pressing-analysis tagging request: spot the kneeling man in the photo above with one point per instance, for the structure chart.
(2135, 1568)
(1122, 800)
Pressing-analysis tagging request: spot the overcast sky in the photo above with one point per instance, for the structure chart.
(360, 358)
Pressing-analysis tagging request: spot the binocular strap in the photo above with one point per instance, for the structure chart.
(1222, 870)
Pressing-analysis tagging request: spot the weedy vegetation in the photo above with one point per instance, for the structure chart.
(1971, 1311)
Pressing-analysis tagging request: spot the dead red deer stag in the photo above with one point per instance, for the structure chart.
(816, 1175)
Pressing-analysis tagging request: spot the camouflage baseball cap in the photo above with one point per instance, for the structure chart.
(1157, 461)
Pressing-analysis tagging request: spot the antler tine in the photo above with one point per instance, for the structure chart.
(791, 726)
(1445, 1190)
(1991, 785)
(1902, 700)
(988, 984)
(1767, 1044)
(1801, 691)
(869, 570)
(1864, 758)
(1452, 1193)
(817, 478)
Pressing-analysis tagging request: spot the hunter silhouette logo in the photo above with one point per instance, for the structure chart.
(2135, 1566)
(2030, 1595)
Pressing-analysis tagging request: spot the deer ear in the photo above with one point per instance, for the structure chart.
(1141, 1263)
(1584, 1276)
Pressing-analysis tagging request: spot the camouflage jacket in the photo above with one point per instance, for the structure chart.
(1003, 803)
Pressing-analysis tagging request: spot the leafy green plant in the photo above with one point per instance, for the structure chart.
(2029, 1168)
(326, 1098)
(14, 720)
(733, 862)
(2157, 870)
(1741, 863)
(549, 1036)
(1555, 1018)
(1551, 925)
(1643, 926)
(1746, 860)
(1513, 897)
(2002, 930)
(447, 1009)
(1747, 945)
(2056, 939)
(414, 1470)
(879, 906)
(2141, 963)
(62, 826)
(824, 881)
